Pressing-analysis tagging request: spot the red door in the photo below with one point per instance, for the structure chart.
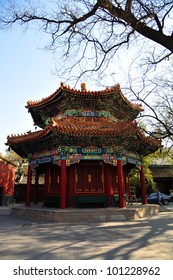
(89, 178)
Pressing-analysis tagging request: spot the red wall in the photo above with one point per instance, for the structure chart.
(7, 177)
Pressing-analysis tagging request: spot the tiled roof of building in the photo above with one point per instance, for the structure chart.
(162, 171)
(28, 137)
(70, 117)
(82, 93)
(81, 127)
(65, 98)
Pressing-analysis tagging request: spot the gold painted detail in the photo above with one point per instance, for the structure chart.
(89, 178)
(76, 178)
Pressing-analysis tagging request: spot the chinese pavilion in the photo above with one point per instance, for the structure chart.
(86, 146)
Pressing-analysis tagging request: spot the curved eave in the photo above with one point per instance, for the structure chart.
(151, 141)
(59, 130)
(28, 137)
(113, 94)
(81, 93)
(25, 144)
(134, 106)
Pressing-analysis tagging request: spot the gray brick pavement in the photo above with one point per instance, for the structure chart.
(146, 238)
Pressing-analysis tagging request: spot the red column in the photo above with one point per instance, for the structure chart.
(47, 179)
(126, 179)
(28, 186)
(143, 187)
(71, 179)
(36, 188)
(63, 184)
(108, 184)
(120, 183)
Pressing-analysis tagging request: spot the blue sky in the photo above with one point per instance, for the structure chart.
(26, 73)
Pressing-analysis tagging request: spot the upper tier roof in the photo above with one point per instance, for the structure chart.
(65, 98)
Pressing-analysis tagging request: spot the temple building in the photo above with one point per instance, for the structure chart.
(87, 144)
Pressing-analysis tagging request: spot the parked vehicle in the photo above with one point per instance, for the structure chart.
(153, 198)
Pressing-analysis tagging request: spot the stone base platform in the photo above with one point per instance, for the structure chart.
(85, 215)
(5, 211)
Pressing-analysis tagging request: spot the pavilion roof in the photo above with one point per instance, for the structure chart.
(65, 97)
(28, 137)
(85, 126)
(162, 171)
(72, 131)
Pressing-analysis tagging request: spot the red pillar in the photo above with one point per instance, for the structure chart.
(36, 189)
(143, 187)
(28, 186)
(126, 177)
(71, 179)
(108, 184)
(120, 183)
(63, 184)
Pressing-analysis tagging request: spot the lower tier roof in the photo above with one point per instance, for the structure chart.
(73, 131)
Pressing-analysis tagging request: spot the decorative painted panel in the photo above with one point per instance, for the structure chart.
(109, 154)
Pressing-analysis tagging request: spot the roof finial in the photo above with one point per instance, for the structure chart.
(83, 86)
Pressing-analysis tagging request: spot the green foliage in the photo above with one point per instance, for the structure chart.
(159, 155)
(163, 154)
(135, 176)
(22, 165)
(148, 174)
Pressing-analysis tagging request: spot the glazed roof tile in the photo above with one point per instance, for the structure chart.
(78, 93)
(83, 126)
(78, 127)
(162, 171)
(28, 137)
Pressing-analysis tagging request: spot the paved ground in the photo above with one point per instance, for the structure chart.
(147, 238)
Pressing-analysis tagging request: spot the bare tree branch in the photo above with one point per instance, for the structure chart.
(90, 33)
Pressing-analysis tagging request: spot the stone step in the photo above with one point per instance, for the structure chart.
(5, 211)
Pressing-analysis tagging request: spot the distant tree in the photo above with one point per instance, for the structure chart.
(161, 154)
(134, 176)
(155, 92)
(22, 165)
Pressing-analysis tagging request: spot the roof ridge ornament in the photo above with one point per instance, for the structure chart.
(83, 86)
